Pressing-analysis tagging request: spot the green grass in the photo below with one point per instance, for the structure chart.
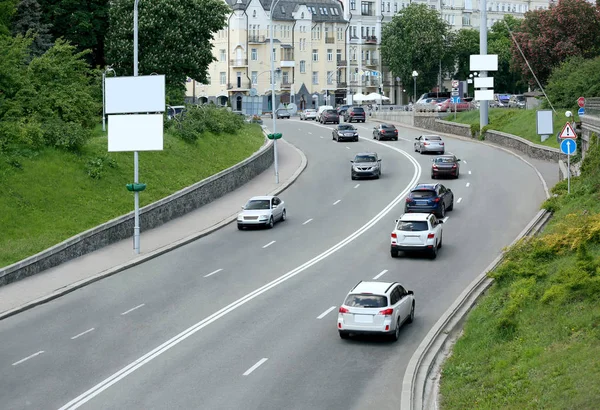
(514, 121)
(50, 197)
(533, 341)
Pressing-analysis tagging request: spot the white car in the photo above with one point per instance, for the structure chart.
(308, 114)
(376, 307)
(417, 232)
(261, 211)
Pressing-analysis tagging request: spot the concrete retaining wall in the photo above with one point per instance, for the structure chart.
(403, 117)
(151, 216)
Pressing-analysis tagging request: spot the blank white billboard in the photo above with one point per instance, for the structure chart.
(484, 95)
(484, 82)
(141, 94)
(545, 122)
(135, 132)
(483, 62)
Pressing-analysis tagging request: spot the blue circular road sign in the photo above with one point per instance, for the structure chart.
(581, 111)
(568, 146)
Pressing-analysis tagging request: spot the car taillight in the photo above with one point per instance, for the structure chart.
(430, 236)
(441, 143)
(343, 310)
(386, 312)
(352, 114)
(395, 131)
(434, 166)
(409, 200)
(453, 165)
(394, 236)
(437, 199)
(425, 143)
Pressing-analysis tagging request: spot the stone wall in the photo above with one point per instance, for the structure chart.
(589, 124)
(151, 216)
(403, 117)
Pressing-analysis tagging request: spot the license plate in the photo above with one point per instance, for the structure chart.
(421, 202)
(363, 318)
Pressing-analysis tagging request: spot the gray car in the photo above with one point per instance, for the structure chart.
(367, 165)
(429, 143)
(261, 211)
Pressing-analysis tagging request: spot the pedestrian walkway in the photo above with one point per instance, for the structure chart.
(119, 256)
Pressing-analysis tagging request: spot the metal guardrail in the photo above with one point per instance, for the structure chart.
(592, 106)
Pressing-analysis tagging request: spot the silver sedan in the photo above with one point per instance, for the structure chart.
(261, 211)
(429, 143)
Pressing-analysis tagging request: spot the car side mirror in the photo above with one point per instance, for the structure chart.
(410, 292)
(441, 221)
(352, 161)
(378, 160)
(397, 220)
(458, 159)
(243, 207)
(417, 138)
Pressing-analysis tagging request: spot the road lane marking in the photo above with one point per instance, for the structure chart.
(464, 161)
(468, 184)
(469, 172)
(309, 133)
(82, 333)
(356, 186)
(269, 244)
(27, 358)
(337, 202)
(132, 309)
(458, 201)
(321, 136)
(212, 273)
(380, 274)
(322, 315)
(307, 221)
(193, 329)
(347, 147)
(256, 366)
(445, 219)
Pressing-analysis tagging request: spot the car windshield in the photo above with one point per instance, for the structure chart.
(258, 204)
(309, 111)
(423, 194)
(346, 127)
(366, 301)
(412, 226)
(364, 158)
(444, 160)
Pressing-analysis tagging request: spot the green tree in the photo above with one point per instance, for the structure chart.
(28, 18)
(574, 78)
(465, 43)
(82, 23)
(507, 78)
(416, 39)
(177, 50)
(7, 10)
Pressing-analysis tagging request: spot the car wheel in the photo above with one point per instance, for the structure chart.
(396, 139)
(396, 334)
(394, 253)
(421, 150)
(440, 244)
(451, 207)
(442, 212)
(344, 335)
(356, 139)
(432, 176)
(283, 216)
(411, 318)
(240, 227)
(433, 254)
(271, 223)
(415, 147)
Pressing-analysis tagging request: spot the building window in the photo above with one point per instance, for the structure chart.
(254, 54)
(302, 66)
(315, 55)
(302, 16)
(274, 55)
(329, 77)
(315, 77)
(366, 8)
(352, 4)
(338, 55)
(340, 33)
(285, 77)
(254, 77)
(395, 7)
(466, 20)
(388, 6)
(222, 55)
(329, 54)
(222, 78)
(254, 14)
(207, 79)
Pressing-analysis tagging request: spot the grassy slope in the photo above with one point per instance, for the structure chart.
(533, 342)
(514, 121)
(52, 197)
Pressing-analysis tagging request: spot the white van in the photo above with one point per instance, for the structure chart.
(321, 109)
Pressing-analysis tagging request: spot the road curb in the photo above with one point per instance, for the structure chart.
(420, 382)
(151, 255)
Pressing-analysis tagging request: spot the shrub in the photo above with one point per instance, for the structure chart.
(95, 166)
(199, 119)
(70, 136)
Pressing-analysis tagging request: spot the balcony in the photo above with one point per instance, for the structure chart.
(238, 62)
(241, 85)
(371, 62)
(371, 40)
(286, 85)
(342, 85)
(287, 57)
(256, 39)
(342, 63)
(329, 40)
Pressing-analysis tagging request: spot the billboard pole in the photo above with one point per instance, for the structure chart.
(484, 105)
(136, 194)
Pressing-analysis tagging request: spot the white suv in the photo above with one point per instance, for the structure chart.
(417, 232)
(376, 307)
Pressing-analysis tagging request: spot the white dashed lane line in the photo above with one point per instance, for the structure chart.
(307, 221)
(269, 244)
(380, 274)
(469, 172)
(337, 202)
(82, 333)
(468, 184)
(464, 161)
(27, 358)
(309, 133)
(356, 186)
(347, 147)
(322, 315)
(458, 200)
(256, 366)
(445, 219)
(132, 309)
(212, 273)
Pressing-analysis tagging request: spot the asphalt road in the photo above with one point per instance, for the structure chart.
(235, 320)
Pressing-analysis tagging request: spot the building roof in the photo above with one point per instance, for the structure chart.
(323, 10)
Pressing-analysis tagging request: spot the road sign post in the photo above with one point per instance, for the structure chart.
(568, 147)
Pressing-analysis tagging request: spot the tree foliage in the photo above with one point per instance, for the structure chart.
(7, 10)
(465, 43)
(174, 38)
(28, 19)
(416, 39)
(508, 78)
(572, 79)
(548, 37)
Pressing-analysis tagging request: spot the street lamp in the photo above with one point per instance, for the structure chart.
(414, 76)
(106, 70)
(273, 5)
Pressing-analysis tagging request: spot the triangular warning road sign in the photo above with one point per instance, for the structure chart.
(568, 132)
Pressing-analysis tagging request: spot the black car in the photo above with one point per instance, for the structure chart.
(366, 164)
(283, 113)
(430, 198)
(329, 116)
(385, 131)
(342, 109)
(445, 165)
(345, 132)
(356, 114)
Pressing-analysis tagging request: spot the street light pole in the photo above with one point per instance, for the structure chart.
(136, 194)
(414, 76)
(483, 108)
(273, 92)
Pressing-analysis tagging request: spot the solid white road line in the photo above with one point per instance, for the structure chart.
(322, 315)
(356, 186)
(445, 219)
(269, 244)
(380, 274)
(307, 221)
(212, 273)
(82, 333)
(468, 184)
(190, 331)
(27, 358)
(337, 202)
(132, 309)
(256, 366)
(469, 172)
(458, 201)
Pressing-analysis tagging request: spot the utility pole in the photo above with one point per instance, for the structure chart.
(484, 105)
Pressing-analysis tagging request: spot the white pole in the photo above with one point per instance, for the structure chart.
(484, 105)
(103, 102)
(569, 170)
(136, 194)
(273, 92)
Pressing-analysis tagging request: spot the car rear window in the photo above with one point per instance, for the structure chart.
(366, 301)
(444, 160)
(331, 112)
(423, 194)
(387, 126)
(434, 138)
(412, 226)
(358, 109)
